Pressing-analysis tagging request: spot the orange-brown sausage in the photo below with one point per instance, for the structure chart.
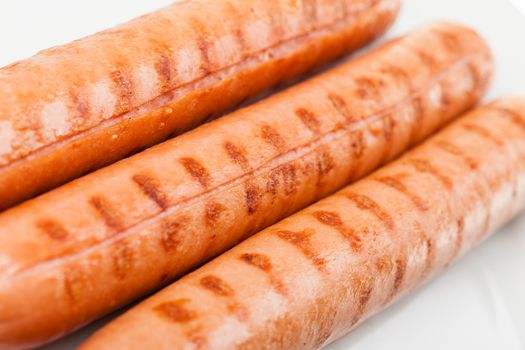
(313, 277)
(71, 109)
(95, 244)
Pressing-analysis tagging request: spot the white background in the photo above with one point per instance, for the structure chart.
(477, 304)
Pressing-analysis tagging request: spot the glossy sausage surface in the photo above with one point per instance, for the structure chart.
(316, 275)
(91, 246)
(74, 108)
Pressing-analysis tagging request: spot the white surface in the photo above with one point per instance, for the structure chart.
(520, 4)
(478, 303)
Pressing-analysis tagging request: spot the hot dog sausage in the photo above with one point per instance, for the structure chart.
(75, 108)
(105, 239)
(313, 277)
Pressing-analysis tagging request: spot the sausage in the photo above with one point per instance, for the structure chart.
(316, 275)
(104, 240)
(78, 107)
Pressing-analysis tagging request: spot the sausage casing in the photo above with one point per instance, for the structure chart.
(114, 235)
(74, 108)
(316, 275)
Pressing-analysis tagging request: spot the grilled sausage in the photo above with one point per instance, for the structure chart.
(97, 243)
(313, 277)
(72, 109)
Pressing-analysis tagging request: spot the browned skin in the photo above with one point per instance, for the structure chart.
(403, 243)
(154, 216)
(75, 108)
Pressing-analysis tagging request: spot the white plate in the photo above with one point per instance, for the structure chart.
(478, 303)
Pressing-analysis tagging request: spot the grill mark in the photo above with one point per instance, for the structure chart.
(325, 163)
(288, 174)
(431, 255)
(428, 243)
(276, 25)
(475, 75)
(367, 88)
(260, 261)
(428, 60)
(401, 265)
(445, 95)
(124, 86)
(237, 30)
(425, 167)
(328, 218)
(217, 286)
(419, 118)
(53, 229)
(481, 132)
(495, 183)
(81, 104)
(204, 46)
(393, 182)
(384, 265)
(197, 171)
(272, 183)
(253, 197)
(364, 298)
(366, 203)
(123, 259)
(309, 169)
(514, 117)
(357, 141)
(333, 219)
(363, 292)
(197, 338)
(237, 155)
(213, 213)
(456, 151)
(459, 238)
(106, 212)
(74, 284)
(263, 263)
(239, 311)
(151, 188)
(279, 286)
(301, 240)
(398, 74)
(272, 137)
(450, 41)
(389, 124)
(340, 106)
(419, 111)
(309, 119)
(322, 313)
(241, 40)
(164, 69)
(175, 311)
(169, 232)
